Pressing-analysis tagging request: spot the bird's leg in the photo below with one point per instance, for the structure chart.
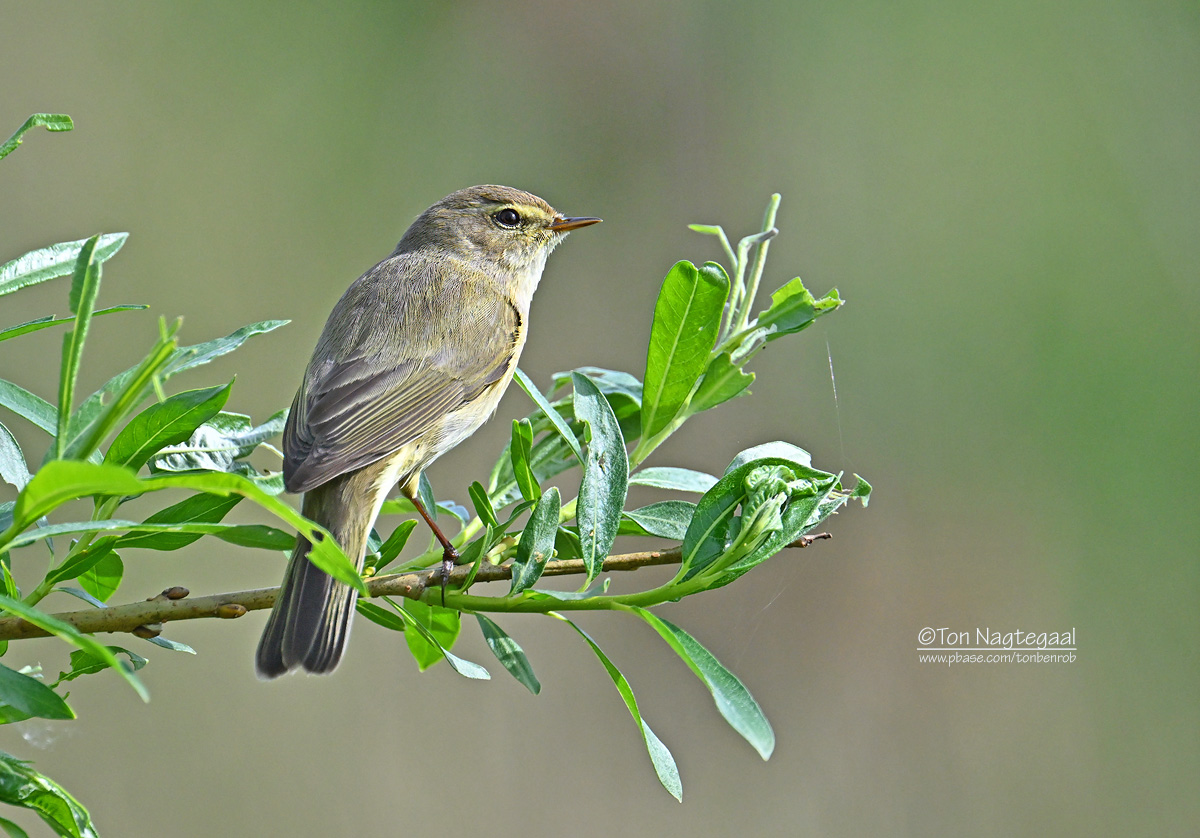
(449, 554)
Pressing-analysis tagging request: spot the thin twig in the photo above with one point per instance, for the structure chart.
(173, 604)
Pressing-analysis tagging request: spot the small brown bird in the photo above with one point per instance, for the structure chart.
(413, 359)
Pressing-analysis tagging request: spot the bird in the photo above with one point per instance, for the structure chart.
(414, 357)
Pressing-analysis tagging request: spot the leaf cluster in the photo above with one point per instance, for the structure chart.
(191, 460)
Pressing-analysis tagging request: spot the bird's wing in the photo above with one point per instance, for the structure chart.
(362, 400)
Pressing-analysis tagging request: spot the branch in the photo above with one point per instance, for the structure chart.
(145, 619)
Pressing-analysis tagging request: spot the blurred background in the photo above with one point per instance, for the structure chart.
(1005, 196)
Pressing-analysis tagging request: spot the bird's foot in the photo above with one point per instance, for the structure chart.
(449, 559)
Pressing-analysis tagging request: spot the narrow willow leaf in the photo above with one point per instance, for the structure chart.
(46, 322)
(29, 697)
(85, 286)
(13, 469)
(509, 653)
(73, 636)
(79, 563)
(49, 121)
(722, 381)
(380, 616)
(197, 509)
(664, 763)
(687, 317)
(60, 481)
(669, 477)
(623, 390)
(537, 543)
(166, 423)
(104, 577)
(172, 645)
(79, 593)
(605, 476)
(29, 406)
(483, 506)
(666, 519)
(521, 451)
(189, 357)
(551, 456)
(732, 698)
(390, 549)
(95, 419)
(465, 668)
(21, 785)
(560, 424)
(53, 261)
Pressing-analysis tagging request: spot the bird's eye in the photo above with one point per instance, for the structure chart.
(508, 217)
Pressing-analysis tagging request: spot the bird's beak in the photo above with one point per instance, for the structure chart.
(565, 225)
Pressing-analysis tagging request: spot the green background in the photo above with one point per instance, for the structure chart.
(1006, 195)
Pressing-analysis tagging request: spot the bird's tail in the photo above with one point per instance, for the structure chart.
(310, 623)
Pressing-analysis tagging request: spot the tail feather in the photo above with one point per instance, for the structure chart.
(310, 623)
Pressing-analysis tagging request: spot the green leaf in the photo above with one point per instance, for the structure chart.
(166, 423)
(219, 443)
(793, 308)
(29, 406)
(537, 543)
(46, 322)
(666, 519)
(49, 121)
(722, 381)
(95, 419)
(54, 261)
(380, 616)
(669, 477)
(60, 481)
(172, 645)
(465, 668)
(560, 424)
(521, 452)
(623, 390)
(783, 451)
(164, 362)
(197, 509)
(85, 285)
(29, 697)
(390, 549)
(687, 317)
(190, 357)
(21, 785)
(13, 469)
(664, 763)
(483, 506)
(72, 635)
(104, 577)
(85, 663)
(732, 698)
(861, 490)
(605, 476)
(708, 534)
(437, 629)
(509, 653)
(551, 456)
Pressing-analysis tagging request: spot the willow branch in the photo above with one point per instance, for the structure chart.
(145, 619)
